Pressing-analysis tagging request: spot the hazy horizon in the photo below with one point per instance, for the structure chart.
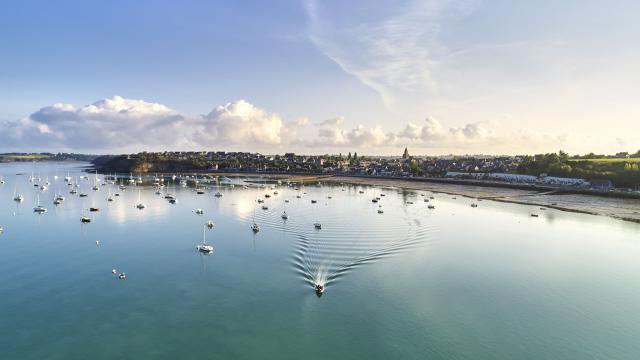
(441, 77)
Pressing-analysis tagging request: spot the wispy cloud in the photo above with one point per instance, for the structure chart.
(393, 52)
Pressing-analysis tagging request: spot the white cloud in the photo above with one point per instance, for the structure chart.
(108, 124)
(118, 124)
(240, 123)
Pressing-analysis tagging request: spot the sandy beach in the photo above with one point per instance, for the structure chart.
(619, 208)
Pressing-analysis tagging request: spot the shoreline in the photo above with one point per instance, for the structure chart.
(620, 208)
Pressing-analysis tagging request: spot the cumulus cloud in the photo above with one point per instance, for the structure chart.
(240, 123)
(107, 124)
(331, 133)
(432, 133)
(119, 124)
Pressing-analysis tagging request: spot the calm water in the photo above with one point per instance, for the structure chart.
(454, 282)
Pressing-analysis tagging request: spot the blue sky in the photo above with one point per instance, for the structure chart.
(439, 76)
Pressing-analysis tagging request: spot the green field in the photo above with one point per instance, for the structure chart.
(610, 160)
(26, 157)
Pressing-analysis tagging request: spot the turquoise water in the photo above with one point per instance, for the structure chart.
(454, 282)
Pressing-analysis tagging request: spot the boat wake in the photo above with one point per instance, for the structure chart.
(323, 257)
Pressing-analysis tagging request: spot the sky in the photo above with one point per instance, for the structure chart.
(321, 76)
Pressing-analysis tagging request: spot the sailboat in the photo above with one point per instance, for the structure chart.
(140, 204)
(255, 228)
(109, 198)
(204, 247)
(39, 208)
(95, 186)
(317, 224)
(17, 197)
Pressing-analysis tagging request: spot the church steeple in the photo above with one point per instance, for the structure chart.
(405, 155)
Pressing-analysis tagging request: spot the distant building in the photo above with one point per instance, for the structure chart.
(405, 155)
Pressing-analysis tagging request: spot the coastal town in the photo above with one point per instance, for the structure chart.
(618, 172)
(595, 172)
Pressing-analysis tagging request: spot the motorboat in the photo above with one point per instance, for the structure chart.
(173, 201)
(94, 209)
(199, 211)
(374, 200)
(431, 207)
(255, 227)
(83, 195)
(218, 194)
(210, 224)
(73, 191)
(319, 289)
(122, 276)
(474, 205)
(265, 207)
(18, 198)
(314, 201)
(85, 219)
(380, 211)
(284, 215)
(317, 225)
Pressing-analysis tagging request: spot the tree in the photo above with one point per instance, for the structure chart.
(563, 156)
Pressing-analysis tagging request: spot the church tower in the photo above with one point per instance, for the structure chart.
(405, 155)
